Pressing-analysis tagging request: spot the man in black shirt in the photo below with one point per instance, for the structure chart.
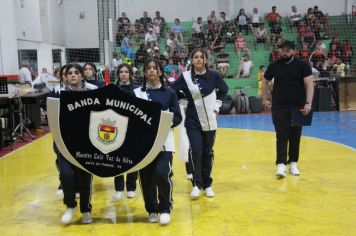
(293, 88)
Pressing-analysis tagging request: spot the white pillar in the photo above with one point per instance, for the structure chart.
(8, 38)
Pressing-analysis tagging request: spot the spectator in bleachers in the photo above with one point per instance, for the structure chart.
(333, 54)
(242, 21)
(304, 53)
(182, 66)
(211, 59)
(261, 36)
(222, 60)
(123, 22)
(310, 18)
(230, 33)
(151, 49)
(150, 37)
(211, 27)
(145, 20)
(245, 67)
(159, 57)
(339, 68)
(275, 54)
(212, 17)
(141, 55)
(116, 61)
(317, 29)
(168, 53)
(319, 14)
(295, 17)
(171, 65)
(197, 29)
(125, 48)
(273, 17)
(241, 45)
(223, 22)
(139, 30)
(177, 29)
(160, 22)
(335, 41)
(170, 40)
(318, 55)
(346, 52)
(217, 44)
(255, 19)
(276, 32)
(308, 38)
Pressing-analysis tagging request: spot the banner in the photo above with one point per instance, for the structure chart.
(106, 131)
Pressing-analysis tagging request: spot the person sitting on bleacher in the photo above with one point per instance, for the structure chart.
(177, 29)
(223, 23)
(339, 68)
(222, 60)
(310, 17)
(333, 54)
(141, 55)
(241, 45)
(197, 29)
(242, 21)
(212, 17)
(273, 17)
(261, 36)
(245, 67)
(308, 37)
(255, 19)
(275, 54)
(161, 22)
(318, 55)
(145, 20)
(304, 53)
(295, 17)
(230, 33)
(346, 52)
(123, 22)
(150, 36)
(218, 42)
(276, 32)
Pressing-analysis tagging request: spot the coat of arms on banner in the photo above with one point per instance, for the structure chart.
(107, 130)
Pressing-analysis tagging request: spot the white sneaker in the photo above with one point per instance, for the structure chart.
(293, 168)
(281, 170)
(195, 192)
(209, 192)
(86, 218)
(189, 176)
(59, 192)
(68, 215)
(118, 195)
(152, 218)
(164, 218)
(131, 194)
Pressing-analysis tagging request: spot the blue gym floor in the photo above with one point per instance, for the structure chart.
(339, 127)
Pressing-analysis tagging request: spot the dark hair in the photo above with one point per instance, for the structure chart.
(262, 67)
(131, 74)
(205, 54)
(288, 44)
(160, 68)
(92, 66)
(61, 72)
(76, 66)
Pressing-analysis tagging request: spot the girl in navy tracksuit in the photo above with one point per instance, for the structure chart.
(204, 90)
(156, 177)
(70, 175)
(124, 82)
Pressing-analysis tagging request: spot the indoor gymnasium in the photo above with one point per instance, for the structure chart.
(254, 176)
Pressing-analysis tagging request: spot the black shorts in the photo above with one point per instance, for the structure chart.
(260, 40)
(255, 25)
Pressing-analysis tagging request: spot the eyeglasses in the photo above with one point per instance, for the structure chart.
(73, 72)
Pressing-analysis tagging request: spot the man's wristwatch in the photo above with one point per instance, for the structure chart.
(308, 103)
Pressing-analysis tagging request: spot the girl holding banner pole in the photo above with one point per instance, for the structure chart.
(124, 82)
(70, 175)
(155, 178)
(204, 90)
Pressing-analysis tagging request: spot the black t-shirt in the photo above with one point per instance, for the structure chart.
(288, 89)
